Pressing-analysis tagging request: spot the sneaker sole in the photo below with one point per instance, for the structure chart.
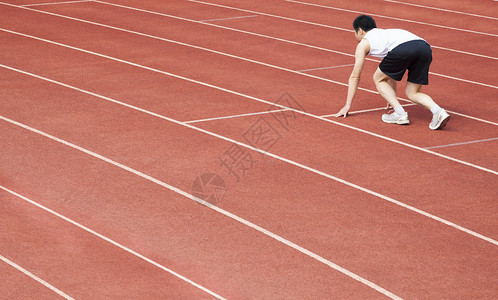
(399, 122)
(443, 123)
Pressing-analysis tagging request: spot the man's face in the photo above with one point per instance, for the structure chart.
(359, 34)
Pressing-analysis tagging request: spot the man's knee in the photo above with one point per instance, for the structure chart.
(378, 78)
(411, 91)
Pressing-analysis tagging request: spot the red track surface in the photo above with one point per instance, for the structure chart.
(329, 193)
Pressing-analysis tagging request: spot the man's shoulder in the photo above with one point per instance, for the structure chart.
(364, 46)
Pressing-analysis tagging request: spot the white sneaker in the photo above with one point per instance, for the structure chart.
(439, 120)
(394, 118)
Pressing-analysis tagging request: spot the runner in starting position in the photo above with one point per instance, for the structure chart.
(401, 50)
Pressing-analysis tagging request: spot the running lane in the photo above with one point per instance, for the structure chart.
(266, 83)
(17, 285)
(420, 131)
(251, 46)
(449, 93)
(115, 137)
(76, 262)
(343, 20)
(206, 247)
(386, 10)
(484, 8)
(342, 224)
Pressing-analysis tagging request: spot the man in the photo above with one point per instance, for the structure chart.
(401, 50)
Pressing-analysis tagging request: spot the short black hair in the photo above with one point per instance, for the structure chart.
(364, 22)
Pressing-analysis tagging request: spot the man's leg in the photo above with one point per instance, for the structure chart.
(393, 83)
(439, 116)
(387, 89)
(413, 94)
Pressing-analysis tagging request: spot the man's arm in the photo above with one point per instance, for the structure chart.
(354, 80)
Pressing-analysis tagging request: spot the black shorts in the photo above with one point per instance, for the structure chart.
(414, 56)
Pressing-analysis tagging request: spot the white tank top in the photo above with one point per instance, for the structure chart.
(384, 40)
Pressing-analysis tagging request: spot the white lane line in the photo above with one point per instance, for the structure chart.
(236, 116)
(442, 9)
(272, 37)
(462, 52)
(315, 24)
(256, 99)
(471, 117)
(393, 18)
(270, 15)
(463, 143)
(189, 196)
(55, 3)
(368, 110)
(326, 68)
(222, 27)
(304, 45)
(187, 45)
(231, 18)
(465, 80)
(174, 42)
(285, 160)
(88, 229)
(33, 276)
(296, 43)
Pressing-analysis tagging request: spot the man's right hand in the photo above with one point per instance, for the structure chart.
(344, 111)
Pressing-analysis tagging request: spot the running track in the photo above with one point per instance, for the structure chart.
(111, 110)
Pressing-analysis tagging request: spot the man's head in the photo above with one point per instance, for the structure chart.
(362, 24)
